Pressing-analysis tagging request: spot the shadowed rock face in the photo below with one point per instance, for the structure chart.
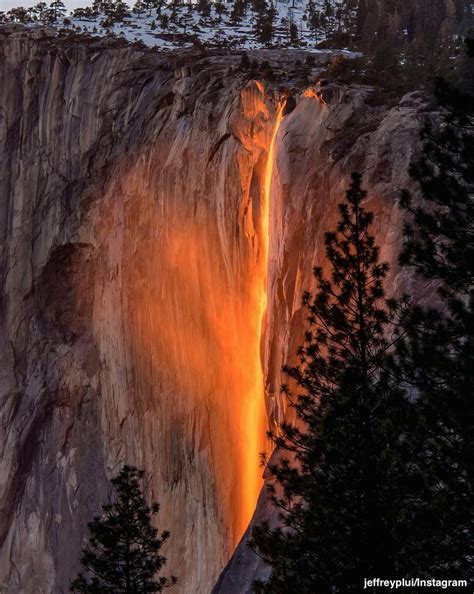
(132, 274)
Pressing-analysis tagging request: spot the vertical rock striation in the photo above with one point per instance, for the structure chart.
(132, 257)
(131, 288)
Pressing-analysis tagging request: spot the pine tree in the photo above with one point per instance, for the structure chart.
(264, 18)
(314, 17)
(123, 554)
(118, 10)
(244, 62)
(238, 11)
(139, 8)
(19, 15)
(437, 354)
(294, 39)
(38, 11)
(220, 9)
(164, 21)
(340, 471)
(101, 6)
(158, 5)
(175, 9)
(204, 7)
(58, 9)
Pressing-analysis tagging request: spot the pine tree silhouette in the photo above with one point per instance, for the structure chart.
(123, 554)
(340, 471)
(437, 354)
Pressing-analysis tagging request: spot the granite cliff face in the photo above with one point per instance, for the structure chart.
(318, 145)
(152, 261)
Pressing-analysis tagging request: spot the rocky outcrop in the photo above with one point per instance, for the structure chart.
(132, 258)
(318, 146)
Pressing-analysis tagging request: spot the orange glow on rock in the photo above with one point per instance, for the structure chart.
(202, 331)
(312, 93)
(195, 298)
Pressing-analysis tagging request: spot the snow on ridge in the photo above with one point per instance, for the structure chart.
(183, 25)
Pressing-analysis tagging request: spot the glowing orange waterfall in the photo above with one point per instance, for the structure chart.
(255, 415)
(266, 204)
